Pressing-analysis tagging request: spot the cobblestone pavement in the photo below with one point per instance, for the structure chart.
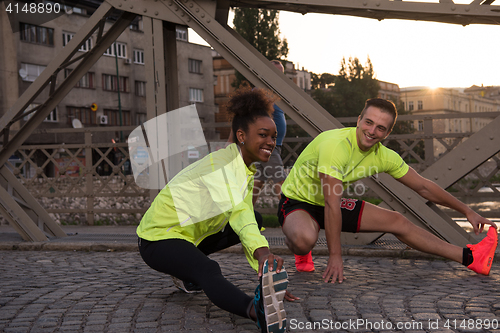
(57, 291)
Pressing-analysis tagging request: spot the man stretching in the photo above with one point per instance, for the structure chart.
(312, 197)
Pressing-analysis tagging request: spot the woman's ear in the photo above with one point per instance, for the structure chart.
(240, 135)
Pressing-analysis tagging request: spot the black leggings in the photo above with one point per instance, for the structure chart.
(189, 263)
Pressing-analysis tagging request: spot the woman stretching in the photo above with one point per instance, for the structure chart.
(208, 207)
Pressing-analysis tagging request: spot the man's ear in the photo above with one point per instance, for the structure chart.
(359, 120)
(385, 137)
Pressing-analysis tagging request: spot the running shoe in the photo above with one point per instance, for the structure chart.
(304, 263)
(484, 252)
(268, 300)
(185, 286)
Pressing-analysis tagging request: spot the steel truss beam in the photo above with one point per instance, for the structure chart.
(208, 18)
(446, 11)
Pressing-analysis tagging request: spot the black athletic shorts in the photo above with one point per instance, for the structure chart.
(351, 209)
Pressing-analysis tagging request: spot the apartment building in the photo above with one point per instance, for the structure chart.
(113, 91)
(452, 101)
(225, 74)
(389, 91)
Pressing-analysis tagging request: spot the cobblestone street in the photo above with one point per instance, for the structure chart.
(59, 291)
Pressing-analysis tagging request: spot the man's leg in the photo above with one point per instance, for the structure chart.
(301, 232)
(382, 220)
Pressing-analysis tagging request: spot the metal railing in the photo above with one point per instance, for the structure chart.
(91, 182)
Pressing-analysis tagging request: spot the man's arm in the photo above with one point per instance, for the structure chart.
(433, 192)
(332, 190)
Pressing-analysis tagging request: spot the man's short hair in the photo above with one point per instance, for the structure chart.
(384, 105)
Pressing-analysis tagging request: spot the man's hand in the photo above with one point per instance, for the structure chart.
(478, 222)
(334, 269)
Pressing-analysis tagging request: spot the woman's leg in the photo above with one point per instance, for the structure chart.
(183, 260)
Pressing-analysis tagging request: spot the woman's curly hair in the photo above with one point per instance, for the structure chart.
(247, 104)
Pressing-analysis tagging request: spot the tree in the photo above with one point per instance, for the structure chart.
(351, 88)
(322, 81)
(260, 27)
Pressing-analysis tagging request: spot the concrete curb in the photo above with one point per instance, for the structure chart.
(280, 250)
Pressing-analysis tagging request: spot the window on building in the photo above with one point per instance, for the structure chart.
(67, 36)
(181, 34)
(139, 57)
(195, 95)
(410, 106)
(140, 88)
(140, 118)
(194, 66)
(52, 117)
(36, 34)
(84, 114)
(121, 50)
(114, 117)
(110, 83)
(30, 72)
(87, 80)
(76, 10)
(420, 105)
(420, 125)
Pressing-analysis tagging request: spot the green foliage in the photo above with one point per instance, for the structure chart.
(322, 81)
(270, 221)
(351, 88)
(260, 27)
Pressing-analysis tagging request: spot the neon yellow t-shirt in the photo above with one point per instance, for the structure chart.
(202, 199)
(336, 154)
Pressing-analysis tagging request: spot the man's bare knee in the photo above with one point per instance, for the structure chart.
(301, 245)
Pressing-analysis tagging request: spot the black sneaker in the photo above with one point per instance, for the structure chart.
(187, 287)
(268, 300)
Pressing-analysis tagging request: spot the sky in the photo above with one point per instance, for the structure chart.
(408, 53)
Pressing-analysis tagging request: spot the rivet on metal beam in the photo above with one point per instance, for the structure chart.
(202, 15)
(391, 199)
(156, 12)
(453, 8)
(436, 177)
(409, 197)
(191, 5)
(131, 6)
(188, 19)
(404, 211)
(365, 3)
(119, 5)
(145, 10)
(208, 21)
(176, 8)
(467, 9)
(170, 3)
(492, 137)
(197, 10)
(182, 14)
(477, 147)
(377, 4)
(463, 158)
(449, 168)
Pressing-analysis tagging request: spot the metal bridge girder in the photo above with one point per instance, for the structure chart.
(476, 12)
